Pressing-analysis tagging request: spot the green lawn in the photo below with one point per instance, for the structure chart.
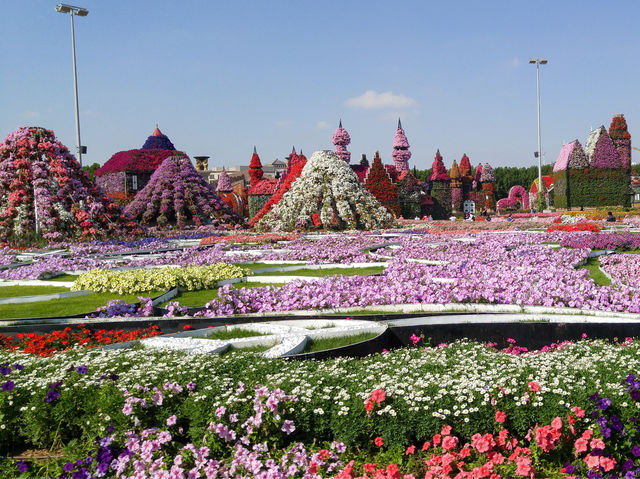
(64, 306)
(314, 345)
(15, 291)
(593, 265)
(329, 272)
(202, 297)
(64, 277)
(631, 251)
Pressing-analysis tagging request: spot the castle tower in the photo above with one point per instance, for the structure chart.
(341, 139)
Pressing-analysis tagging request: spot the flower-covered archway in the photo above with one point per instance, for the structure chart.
(44, 190)
(517, 194)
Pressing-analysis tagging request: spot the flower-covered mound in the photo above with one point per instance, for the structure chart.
(44, 188)
(157, 279)
(178, 194)
(326, 195)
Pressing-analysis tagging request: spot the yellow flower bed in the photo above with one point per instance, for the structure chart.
(133, 281)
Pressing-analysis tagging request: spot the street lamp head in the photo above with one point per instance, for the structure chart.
(540, 61)
(532, 61)
(543, 61)
(79, 11)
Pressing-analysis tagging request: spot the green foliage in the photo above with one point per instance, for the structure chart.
(508, 176)
(636, 168)
(441, 195)
(90, 170)
(423, 175)
(591, 187)
(323, 344)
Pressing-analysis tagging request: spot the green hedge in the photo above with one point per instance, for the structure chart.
(441, 195)
(591, 187)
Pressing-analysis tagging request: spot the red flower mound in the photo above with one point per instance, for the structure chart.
(379, 184)
(48, 344)
(618, 128)
(239, 238)
(285, 186)
(579, 226)
(137, 161)
(439, 171)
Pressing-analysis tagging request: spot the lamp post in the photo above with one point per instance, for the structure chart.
(538, 62)
(81, 12)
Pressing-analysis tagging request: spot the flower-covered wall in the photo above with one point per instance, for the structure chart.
(379, 184)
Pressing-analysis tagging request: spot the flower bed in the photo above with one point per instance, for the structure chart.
(466, 401)
(622, 269)
(243, 238)
(141, 280)
(579, 226)
(48, 344)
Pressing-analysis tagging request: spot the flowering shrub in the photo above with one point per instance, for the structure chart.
(487, 176)
(37, 171)
(617, 241)
(256, 238)
(178, 194)
(47, 344)
(328, 188)
(140, 280)
(224, 182)
(137, 161)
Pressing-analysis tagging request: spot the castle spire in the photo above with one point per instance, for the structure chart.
(401, 153)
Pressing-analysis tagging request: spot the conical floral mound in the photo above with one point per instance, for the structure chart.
(327, 195)
(37, 172)
(178, 194)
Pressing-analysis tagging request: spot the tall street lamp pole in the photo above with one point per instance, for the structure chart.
(538, 62)
(81, 12)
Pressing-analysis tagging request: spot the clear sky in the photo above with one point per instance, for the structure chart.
(221, 77)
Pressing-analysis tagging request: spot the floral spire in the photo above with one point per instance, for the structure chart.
(621, 139)
(465, 166)
(439, 172)
(224, 183)
(401, 153)
(255, 168)
(341, 139)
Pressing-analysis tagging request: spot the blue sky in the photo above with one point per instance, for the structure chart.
(221, 77)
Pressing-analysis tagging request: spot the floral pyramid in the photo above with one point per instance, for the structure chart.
(178, 194)
(379, 184)
(44, 188)
(401, 153)
(327, 195)
(600, 150)
(341, 139)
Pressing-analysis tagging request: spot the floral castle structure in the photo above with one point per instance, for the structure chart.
(599, 173)
(127, 172)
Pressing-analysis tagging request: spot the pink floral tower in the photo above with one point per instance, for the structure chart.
(341, 139)
(401, 153)
(224, 183)
(440, 189)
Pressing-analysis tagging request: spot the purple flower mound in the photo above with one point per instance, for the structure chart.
(158, 141)
(604, 154)
(178, 194)
(487, 176)
(224, 183)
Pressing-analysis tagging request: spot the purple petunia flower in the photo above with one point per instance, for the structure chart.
(635, 450)
(8, 386)
(604, 403)
(81, 369)
(23, 466)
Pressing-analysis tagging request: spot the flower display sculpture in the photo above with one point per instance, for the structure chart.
(487, 176)
(255, 168)
(379, 184)
(158, 141)
(517, 194)
(327, 195)
(439, 172)
(341, 139)
(178, 194)
(600, 150)
(621, 139)
(44, 188)
(465, 168)
(401, 153)
(224, 183)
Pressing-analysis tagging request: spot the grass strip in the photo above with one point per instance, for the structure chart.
(369, 270)
(64, 277)
(322, 344)
(16, 291)
(202, 297)
(596, 274)
(64, 306)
